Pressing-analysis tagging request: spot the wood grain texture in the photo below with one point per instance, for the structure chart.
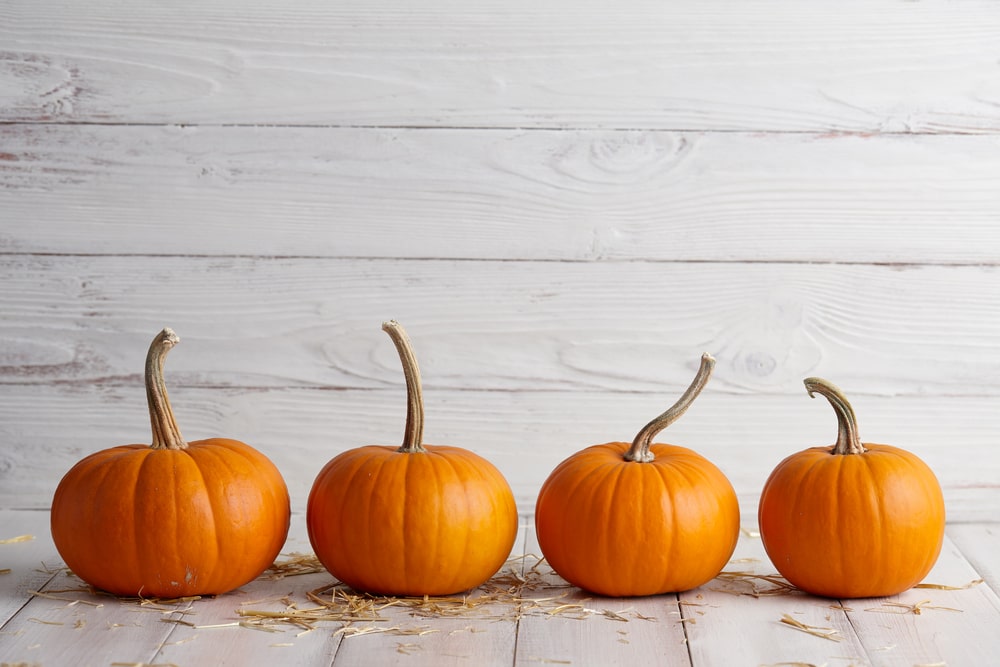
(730, 620)
(918, 627)
(954, 627)
(778, 65)
(500, 194)
(646, 630)
(22, 562)
(980, 544)
(45, 430)
(261, 322)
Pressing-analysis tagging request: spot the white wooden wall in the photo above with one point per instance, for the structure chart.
(565, 203)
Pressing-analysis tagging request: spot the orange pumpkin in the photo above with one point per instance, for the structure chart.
(172, 519)
(639, 519)
(852, 520)
(411, 520)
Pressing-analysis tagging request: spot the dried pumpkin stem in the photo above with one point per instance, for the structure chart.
(639, 451)
(848, 440)
(413, 436)
(166, 434)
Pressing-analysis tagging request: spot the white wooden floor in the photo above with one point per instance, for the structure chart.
(523, 616)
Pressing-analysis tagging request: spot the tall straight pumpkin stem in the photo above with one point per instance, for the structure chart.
(848, 440)
(639, 451)
(413, 436)
(166, 434)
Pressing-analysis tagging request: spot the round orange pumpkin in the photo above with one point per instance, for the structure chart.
(173, 519)
(640, 519)
(411, 520)
(852, 520)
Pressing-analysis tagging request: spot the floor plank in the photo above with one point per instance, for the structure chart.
(67, 624)
(980, 544)
(731, 620)
(932, 626)
(738, 620)
(212, 633)
(28, 558)
(587, 629)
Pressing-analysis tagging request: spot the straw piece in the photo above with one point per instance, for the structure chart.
(71, 601)
(916, 608)
(824, 633)
(19, 538)
(942, 587)
(779, 585)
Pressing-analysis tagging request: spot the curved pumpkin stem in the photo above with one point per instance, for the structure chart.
(848, 440)
(166, 434)
(413, 436)
(639, 451)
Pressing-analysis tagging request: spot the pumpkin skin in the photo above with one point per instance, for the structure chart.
(620, 528)
(170, 521)
(666, 521)
(866, 523)
(412, 520)
(397, 523)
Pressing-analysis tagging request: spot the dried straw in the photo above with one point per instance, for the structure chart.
(942, 587)
(916, 608)
(824, 633)
(509, 595)
(779, 585)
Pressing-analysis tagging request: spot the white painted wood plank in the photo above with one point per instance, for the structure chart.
(504, 325)
(724, 626)
(76, 627)
(730, 627)
(485, 636)
(46, 429)
(211, 634)
(582, 195)
(980, 544)
(953, 627)
(868, 66)
(638, 631)
(25, 566)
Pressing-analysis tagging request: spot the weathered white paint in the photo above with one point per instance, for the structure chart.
(716, 624)
(45, 430)
(514, 326)
(499, 194)
(775, 65)
(565, 204)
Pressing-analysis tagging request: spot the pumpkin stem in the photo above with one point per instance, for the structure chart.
(413, 436)
(848, 441)
(639, 451)
(166, 435)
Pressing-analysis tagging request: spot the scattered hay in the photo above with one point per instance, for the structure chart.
(517, 590)
(296, 565)
(749, 580)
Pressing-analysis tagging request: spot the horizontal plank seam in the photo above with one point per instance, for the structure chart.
(513, 128)
(569, 389)
(512, 260)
